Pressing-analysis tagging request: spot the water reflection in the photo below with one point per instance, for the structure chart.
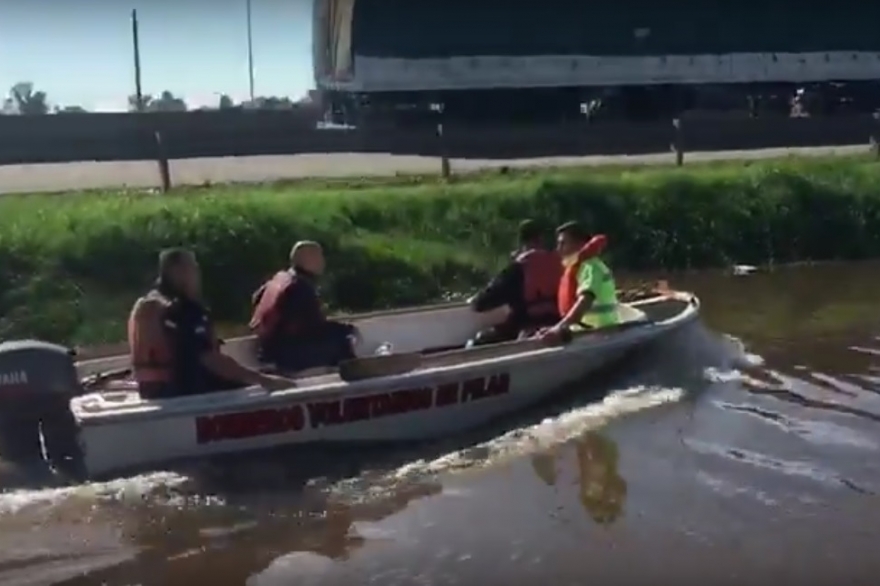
(234, 543)
(601, 488)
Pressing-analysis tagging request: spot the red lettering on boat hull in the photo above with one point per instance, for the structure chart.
(229, 426)
(249, 424)
(340, 411)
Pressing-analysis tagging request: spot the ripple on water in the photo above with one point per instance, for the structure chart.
(794, 468)
(729, 488)
(817, 432)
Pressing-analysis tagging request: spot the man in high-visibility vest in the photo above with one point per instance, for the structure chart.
(587, 292)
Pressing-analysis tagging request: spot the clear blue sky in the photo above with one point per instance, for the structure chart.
(80, 51)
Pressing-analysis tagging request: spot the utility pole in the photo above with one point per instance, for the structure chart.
(250, 50)
(137, 60)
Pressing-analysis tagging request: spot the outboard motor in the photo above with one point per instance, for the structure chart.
(37, 427)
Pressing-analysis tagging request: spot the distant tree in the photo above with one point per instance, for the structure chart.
(166, 102)
(269, 103)
(134, 106)
(226, 102)
(312, 97)
(24, 100)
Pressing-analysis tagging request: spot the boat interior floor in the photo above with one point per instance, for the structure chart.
(648, 311)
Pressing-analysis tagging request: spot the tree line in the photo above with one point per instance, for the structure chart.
(25, 99)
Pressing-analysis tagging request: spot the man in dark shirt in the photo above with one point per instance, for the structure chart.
(292, 329)
(174, 348)
(527, 285)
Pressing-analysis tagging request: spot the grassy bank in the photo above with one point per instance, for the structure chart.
(71, 265)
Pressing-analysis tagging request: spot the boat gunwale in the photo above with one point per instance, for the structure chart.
(334, 387)
(91, 354)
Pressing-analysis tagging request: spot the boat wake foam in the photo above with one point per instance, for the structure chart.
(131, 489)
(682, 366)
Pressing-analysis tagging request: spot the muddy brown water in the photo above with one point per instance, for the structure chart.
(741, 449)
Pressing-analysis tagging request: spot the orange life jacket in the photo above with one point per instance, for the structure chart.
(152, 361)
(567, 295)
(542, 270)
(266, 319)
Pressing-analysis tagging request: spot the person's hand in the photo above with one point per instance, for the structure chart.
(354, 335)
(272, 382)
(552, 335)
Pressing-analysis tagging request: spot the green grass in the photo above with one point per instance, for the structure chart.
(70, 265)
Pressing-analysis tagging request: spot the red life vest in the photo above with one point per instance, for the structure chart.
(152, 361)
(567, 295)
(266, 319)
(542, 270)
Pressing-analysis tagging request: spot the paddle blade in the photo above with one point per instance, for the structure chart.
(377, 366)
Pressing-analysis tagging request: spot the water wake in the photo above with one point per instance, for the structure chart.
(666, 374)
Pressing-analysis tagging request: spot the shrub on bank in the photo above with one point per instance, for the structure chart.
(70, 265)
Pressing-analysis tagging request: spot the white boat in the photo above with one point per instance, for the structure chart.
(422, 390)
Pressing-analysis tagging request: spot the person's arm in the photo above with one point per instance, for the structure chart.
(585, 298)
(501, 290)
(194, 339)
(577, 311)
(229, 368)
(258, 295)
(147, 314)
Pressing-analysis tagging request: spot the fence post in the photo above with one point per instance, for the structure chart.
(445, 168)
(677, 145)
(874, 139)
(162, 160)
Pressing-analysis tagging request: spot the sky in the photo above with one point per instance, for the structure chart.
(80, 51)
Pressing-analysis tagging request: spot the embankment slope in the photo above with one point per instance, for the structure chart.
(71, 265)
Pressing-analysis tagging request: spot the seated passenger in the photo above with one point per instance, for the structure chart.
(528, 285)
(587, 292)
(292, 330)
(174, 351)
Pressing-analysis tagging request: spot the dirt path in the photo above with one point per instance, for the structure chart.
(56, 177)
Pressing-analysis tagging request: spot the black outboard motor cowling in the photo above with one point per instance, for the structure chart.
(37, 381)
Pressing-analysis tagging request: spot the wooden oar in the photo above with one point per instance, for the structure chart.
(375, 366)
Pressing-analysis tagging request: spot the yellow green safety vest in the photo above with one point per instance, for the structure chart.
(603, 312)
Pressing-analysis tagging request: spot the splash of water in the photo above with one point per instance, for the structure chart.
(549, 432)
(132, 489)
(693, 348)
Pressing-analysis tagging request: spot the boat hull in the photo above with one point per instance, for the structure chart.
(450, 394)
